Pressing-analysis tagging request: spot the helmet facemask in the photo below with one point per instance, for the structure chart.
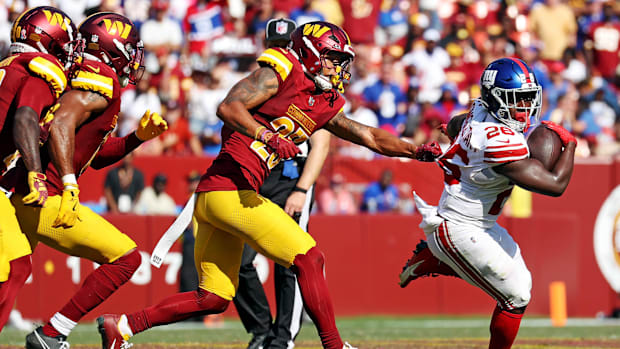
(132, 72)
(340, 61)
(509, 99)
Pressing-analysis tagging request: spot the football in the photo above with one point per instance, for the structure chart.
(545, 146)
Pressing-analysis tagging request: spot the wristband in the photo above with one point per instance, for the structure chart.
(258, 133)
(69, 181)
(301, 190)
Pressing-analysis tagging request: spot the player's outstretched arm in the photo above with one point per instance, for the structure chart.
(532, 175)
(378, 140)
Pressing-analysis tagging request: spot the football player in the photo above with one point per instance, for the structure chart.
(43, 44)
(487, 157)
(291, 95)
(82, 121)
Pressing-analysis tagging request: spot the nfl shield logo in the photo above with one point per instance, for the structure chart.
(311, 101)
(281, 28)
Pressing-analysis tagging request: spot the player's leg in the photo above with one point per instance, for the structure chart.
(15, 262)
(93, 238)
(217, 255)
(251, 301)
(491, 260)
(271, 232)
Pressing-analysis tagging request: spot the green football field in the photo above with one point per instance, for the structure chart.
(366, 332)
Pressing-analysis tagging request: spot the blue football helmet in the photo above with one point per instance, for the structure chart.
(506, 84)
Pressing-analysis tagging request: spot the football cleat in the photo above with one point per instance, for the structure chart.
(423, 263)
(348, 346)
(38, 340)
(111, 337)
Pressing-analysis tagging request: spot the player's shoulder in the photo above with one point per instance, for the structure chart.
(282, 60)
(41, 65)
(96, 77)
(502, 144)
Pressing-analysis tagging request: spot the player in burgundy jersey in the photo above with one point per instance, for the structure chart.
(291, 95)
(81, 123)
(487, 157)
(43, 40)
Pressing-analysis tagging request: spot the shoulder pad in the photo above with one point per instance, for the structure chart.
(88, 78)
(505, 148)
(51, 71)
(278, 59)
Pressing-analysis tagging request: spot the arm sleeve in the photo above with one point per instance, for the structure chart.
(114, 149)
(36, 94)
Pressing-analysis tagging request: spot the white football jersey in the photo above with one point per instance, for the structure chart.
(473, 193)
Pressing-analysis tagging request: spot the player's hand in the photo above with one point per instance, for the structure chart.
(151, 125)
(295, 203)
(428, 152)
(284, 147)
(564, 134)
(38, 189)
(69, 207)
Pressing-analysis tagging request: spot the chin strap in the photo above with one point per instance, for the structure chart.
(323, 82)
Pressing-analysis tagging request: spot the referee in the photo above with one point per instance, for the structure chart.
(290, 185)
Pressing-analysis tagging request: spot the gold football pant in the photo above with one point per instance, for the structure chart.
(224, 220)
(92, 237)
(13, 243)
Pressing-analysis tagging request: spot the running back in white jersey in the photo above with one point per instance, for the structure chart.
(473, 193)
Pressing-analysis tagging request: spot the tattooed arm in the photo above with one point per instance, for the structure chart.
(73, 109)
(248, 93)
(375, 139)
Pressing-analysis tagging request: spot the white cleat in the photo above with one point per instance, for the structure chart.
(348, 346)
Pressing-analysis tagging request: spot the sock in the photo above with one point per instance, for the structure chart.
(20, 270)
(444, 269)
(504, 328)
(317, 301)
(97, 287)
(177, 307)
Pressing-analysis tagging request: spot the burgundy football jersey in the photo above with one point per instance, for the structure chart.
(26, 79)
(295, 111)
(99, 78)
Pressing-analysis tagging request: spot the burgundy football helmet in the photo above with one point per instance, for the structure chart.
(313, 42)
(113, 39)
(49, 30)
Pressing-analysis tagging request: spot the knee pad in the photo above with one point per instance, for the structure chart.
(210, 301)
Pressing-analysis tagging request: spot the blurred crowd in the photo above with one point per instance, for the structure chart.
(417, 63)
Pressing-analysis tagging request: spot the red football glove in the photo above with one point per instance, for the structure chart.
(564, 134)
(284, 147)
(428, 152)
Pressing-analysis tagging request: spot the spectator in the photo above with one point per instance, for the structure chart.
(360, 113)
(161, 33)
(123, 186)
(203, 22)
(603, 44)
(154, 200)
(305, 14)
(387, 100)
(134, 102)
(381, 196)
(179, 140)
(204, 98)
(554, 25)
(337, 200)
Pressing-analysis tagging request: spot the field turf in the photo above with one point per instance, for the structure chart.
(365, 332)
